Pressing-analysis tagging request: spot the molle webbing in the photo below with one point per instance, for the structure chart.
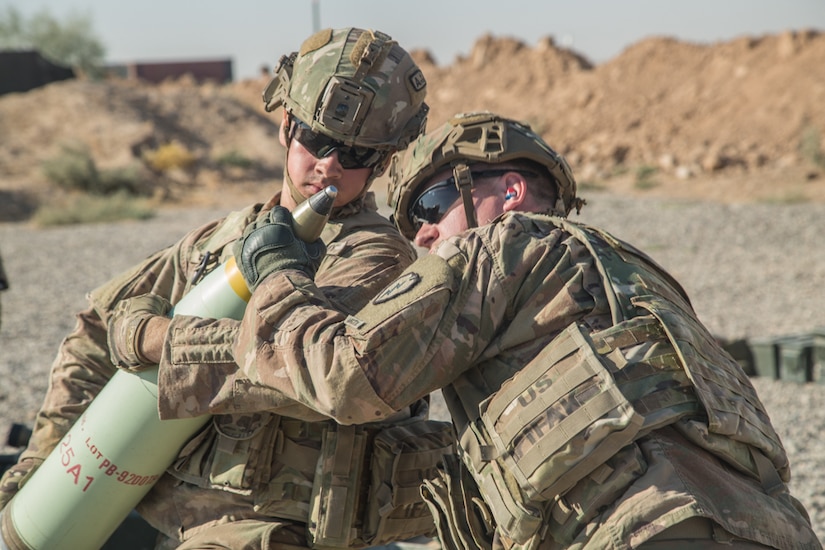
(636, 286)
(648, 370)
(366, 487)
(736, 418)
(403, 456)
(334, 498)
(543, 408)
(211, 252)
(461, 516)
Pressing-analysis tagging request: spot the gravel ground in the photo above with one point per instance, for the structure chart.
(752, 270)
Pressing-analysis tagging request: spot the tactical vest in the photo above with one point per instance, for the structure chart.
(555, 444)
(353, 486)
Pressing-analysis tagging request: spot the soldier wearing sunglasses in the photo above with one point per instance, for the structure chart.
(261, 475)
(592, 408)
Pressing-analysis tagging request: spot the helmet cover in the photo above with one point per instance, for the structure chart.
(356, 86)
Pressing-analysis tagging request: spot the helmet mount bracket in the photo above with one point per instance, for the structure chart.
(283, 74)
(464, 183)
(344, 105)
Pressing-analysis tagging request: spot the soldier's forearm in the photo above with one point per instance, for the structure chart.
(152, 339)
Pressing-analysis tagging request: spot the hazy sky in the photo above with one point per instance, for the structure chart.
(257, 32)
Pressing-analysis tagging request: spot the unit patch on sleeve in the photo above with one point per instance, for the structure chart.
(403, 284)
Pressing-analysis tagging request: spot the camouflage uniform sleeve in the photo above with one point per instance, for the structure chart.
(82, 366)
(198, 372)
(359, 264)
(79, 371)
(443, 310)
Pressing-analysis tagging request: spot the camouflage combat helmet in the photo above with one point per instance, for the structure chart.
(356, 86)
(466, 139)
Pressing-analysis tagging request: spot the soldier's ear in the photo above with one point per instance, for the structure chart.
(283, 132)
(515, 191)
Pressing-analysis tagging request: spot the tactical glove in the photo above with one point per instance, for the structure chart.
(15, 477)
(126, 325)
(270, 245)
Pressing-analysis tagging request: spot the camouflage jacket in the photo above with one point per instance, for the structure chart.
(364, 252)
(467, 318)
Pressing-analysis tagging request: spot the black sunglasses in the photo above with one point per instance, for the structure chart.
(321, 146)
(434, 203)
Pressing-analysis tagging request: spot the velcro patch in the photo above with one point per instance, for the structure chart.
(317, 40)
(417, 80)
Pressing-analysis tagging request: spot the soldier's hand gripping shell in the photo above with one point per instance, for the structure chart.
(270, 245)
(126, 326)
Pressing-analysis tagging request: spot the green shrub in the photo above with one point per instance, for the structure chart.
(644, 177)
(586, 185)
(126, 179)
(73, 169)
(810, 147)
(69, 40)
(83, 208)
(234, 158)
(619, 170)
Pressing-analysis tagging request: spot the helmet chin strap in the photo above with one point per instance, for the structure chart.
(464, 182)
(293, 191)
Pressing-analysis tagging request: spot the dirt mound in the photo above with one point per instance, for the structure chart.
(123, 123)
(686, 109)
(728, 121)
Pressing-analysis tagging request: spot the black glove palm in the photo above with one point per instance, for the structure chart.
(270, 245)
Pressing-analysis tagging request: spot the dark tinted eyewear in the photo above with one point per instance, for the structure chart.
(321, 146)
(434, 203)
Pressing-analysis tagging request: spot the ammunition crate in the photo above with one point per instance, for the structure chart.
(795, 358)
(765, 352)
(765, 357)
(818, 357)
(741, 352)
